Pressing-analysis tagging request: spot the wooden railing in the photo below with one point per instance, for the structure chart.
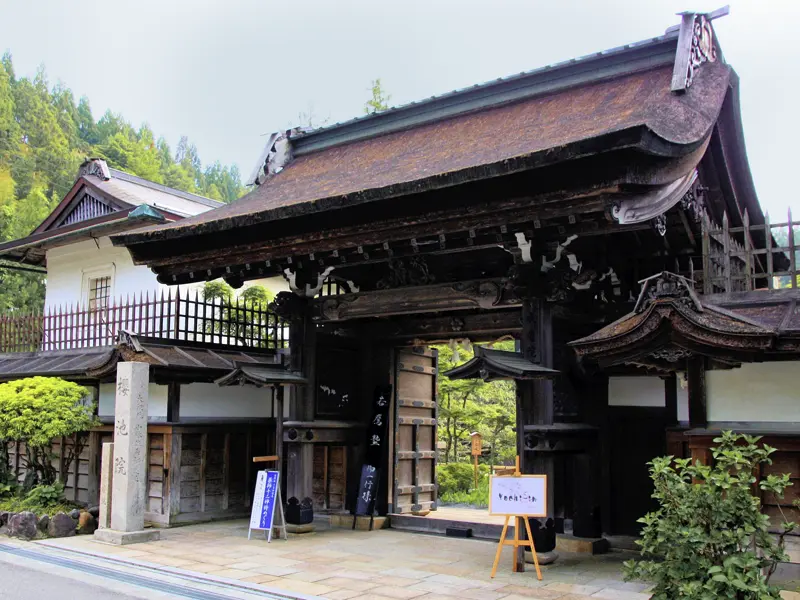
(732, 262)
(172, 316)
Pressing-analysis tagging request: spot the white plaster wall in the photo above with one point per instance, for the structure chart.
(69, 267)
(211, 400)
(636, 391)
(755, 392)
(157, 407)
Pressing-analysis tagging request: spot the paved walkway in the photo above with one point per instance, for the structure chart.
(395, 565)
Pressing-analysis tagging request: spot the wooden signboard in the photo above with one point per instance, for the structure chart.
(477, 450)
(266, 501)
(519, 496)
(477, 444)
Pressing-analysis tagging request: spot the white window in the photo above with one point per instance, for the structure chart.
(99, 292)
(97, 289)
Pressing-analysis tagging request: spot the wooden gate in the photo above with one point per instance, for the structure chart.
(415, 415)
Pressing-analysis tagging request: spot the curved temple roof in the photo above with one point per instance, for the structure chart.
(670, 323)
(623, 99)
(493, 365)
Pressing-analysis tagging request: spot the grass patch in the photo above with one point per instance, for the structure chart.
(17, 504)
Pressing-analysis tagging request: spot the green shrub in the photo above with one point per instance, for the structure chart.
(459, 478)
(709, 538)
(7, 489)
(37, 410)
(43, 495)
(42, 500)
(477, 498)
(455, 477)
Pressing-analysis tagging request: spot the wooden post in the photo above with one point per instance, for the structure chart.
(708, 284)
(792, 255)
(174, 475)
(768, 239)
(748, 255)
(696, 378)
(226, 472)
(93, 486)
(726, 245)
(671, 398)
(173, 402)
(278, 392)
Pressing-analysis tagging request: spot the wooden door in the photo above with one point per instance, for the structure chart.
(415, 416)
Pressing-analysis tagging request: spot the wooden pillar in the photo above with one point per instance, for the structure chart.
(535, 398)
(696, 378)
(173, 402)
(278, 393)
(299, 454)
(671, 399)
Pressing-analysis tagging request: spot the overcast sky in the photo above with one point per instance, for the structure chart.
(227, 72)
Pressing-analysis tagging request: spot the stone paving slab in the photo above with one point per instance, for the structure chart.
(354, 565)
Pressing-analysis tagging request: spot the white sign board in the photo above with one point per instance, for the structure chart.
(525, 495)
(266, 499)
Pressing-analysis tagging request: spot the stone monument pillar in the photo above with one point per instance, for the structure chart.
(129, 471)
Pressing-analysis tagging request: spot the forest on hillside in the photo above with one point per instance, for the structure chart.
(45, 134)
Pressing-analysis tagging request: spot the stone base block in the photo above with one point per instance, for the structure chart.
(292, 528)
(570, 543)
(123, 538)
(345, 520)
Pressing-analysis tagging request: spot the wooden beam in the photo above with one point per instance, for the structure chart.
(481, 293)
(478, 326)
(696, 377)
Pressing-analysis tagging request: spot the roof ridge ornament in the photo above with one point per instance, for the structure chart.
(95, 166)
(696, 45)
(276, 155)
(664, 286)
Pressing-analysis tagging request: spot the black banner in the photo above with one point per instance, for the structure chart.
(377, 439)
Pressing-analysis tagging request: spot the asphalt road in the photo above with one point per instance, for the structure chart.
(31, 571)
(23, 583)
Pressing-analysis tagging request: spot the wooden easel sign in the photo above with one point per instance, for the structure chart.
(266, 501)
(519, 496)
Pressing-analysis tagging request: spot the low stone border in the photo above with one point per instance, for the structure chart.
(26, 525)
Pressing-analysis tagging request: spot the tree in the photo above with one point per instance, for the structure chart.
(475, 405)
(44, 136)
(9, 128)
(380, 99)
(38, 410)
(709, 539)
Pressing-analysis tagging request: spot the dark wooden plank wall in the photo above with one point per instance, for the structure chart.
(330, 477)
